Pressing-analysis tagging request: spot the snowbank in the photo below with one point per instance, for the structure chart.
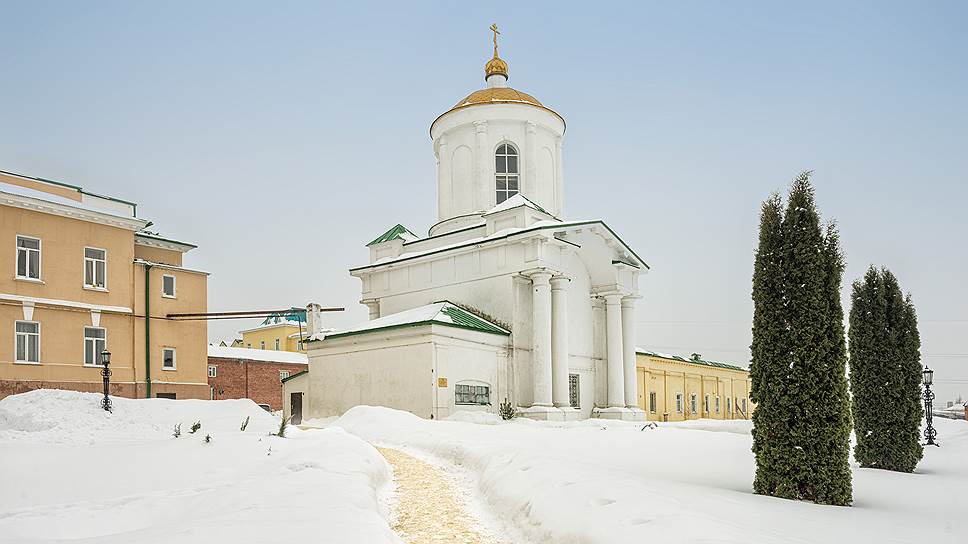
(71, 418)
(70, 471)
(596, 482)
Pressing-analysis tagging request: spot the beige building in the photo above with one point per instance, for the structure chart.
(674, 388)
(284, 331)
(81, 275)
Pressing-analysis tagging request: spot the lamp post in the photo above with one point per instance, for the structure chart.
(106, 374)
(929, 432)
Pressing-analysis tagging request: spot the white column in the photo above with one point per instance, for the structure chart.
(485, 187)
(374, 306)
(614, 351)
(628, 352)
(559, 341)
(445, 198)
(541, 338)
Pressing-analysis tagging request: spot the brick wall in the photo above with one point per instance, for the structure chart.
(248, 379)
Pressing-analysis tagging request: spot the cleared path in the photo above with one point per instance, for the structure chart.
(429, 509)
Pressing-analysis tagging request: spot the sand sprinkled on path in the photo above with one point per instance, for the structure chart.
(429, 509)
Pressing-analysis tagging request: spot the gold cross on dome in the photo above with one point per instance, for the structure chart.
(495, 31)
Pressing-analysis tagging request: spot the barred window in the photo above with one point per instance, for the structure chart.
(472, 394)
(574, 399)
(652, 402)
(693, 404)
(679, 403)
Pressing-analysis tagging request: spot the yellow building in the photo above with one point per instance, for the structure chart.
(83, 276)
(673, 388)
(280, 332)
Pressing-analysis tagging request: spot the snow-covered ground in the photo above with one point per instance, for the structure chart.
(70, 472)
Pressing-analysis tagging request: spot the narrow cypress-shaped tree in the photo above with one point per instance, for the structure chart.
(801, 425)
(885, 374)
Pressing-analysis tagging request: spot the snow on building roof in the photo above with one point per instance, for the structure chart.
(692, 360)
(515, 202)
(438, 313)
(250, 354)
(501, 234)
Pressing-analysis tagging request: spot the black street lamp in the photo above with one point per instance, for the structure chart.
(106, 373)
(929, 432)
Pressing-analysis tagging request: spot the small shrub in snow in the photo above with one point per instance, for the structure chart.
(507, 410)
(283, 425)
(208, 438)
(195, 427)
(245, 423)
(177, 431)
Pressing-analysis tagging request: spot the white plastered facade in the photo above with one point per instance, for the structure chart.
(567, 290)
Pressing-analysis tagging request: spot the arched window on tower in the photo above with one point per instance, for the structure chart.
(506, 172)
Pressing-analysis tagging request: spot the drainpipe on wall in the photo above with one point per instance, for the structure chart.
(147, 333)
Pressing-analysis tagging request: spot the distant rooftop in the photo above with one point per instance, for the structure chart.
(695, 359)
(250, 354)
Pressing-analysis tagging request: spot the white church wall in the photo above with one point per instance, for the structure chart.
(473, 358)
(465, 141)
(385, 368)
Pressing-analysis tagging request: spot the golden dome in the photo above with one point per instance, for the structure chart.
(498, 95)
(496, 66)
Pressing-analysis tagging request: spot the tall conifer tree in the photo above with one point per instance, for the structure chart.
(801, 425)
(885, 374)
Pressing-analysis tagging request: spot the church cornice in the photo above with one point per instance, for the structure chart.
(487, 241)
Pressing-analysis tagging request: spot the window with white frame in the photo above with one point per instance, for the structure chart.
(729, 405)
(506, 172)
(693, 403)
(262, 344)
(168, 286)
(27, 342)
(28, 258)
(574, 390)
(95, 268)
(277, 344)
(705, 405)
(212, 371)
(717, 404)
(300, 345)
(283, 374)
(472, 394)
(679, 403)
(168, 358)
(744, 406)
(652, 402)
(95, 341)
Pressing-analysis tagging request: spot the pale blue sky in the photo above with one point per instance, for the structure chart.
(282, 137)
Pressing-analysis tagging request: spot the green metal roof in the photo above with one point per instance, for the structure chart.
(398, 231)
(296, 375)
(442, 313)
(696, 361)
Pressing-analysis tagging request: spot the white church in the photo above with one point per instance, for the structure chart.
(503, 299)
